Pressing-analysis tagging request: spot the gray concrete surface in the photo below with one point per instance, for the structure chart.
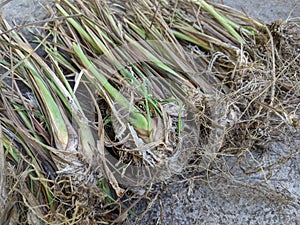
(266, 10)
(224, 202)
(24, 11)
(248, 201)
(27, 13)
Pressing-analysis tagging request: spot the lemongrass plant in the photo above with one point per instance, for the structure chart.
(212, 27)
(154, 57)
(146, 93)
(50, 135)
(110, 54)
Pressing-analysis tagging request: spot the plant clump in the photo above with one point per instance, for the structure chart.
(129, 94)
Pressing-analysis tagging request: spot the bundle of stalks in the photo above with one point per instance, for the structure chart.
(126, 94)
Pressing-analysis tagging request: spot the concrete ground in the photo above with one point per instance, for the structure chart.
(266, 10)
(223, 202)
